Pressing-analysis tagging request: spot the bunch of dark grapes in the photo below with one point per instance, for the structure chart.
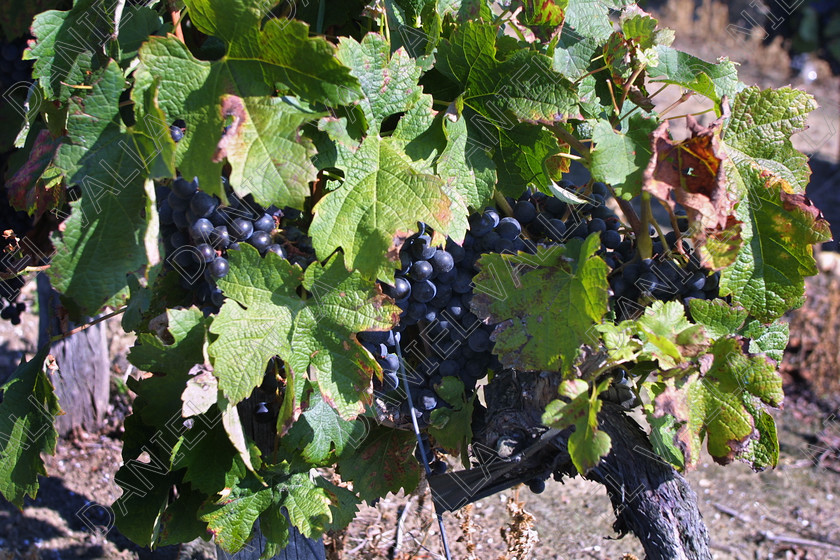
(198, 232)
(13, 69)
(15, 225)
(440, 337)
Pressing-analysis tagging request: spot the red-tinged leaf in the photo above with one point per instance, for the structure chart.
(37, 187)
(690, 173)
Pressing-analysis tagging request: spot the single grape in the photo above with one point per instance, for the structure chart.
(481, 225)
(421, 247)
(264, 223)
(427, 400)
(611, 239)
(202, 204)
(177, 203)
(260, 240)
(205, 252)
(241, 229)
(422, 270)
(176, 133)
(276, 249)
(217, 298)
(400, 290)
(479, 341)
(201, 229)
(390, 380)
(165, 213)
(262, 414)
(555, 206)
(423, 291)
(417, 310)
(524, 212)
(509, 229)
(463, 282)
(219, 267)
(390, 362)
(556, 229)
(536, 485)
(449, 368)
(597, 225)
(219, 237)
(455, 250)
(442, 261)
(185, 189)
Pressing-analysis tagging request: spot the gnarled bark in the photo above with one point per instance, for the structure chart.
(650, 498)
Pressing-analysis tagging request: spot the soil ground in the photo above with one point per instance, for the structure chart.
(788, 513)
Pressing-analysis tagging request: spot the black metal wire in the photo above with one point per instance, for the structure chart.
(422, 448)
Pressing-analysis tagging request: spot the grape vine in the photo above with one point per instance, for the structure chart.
(358, 221)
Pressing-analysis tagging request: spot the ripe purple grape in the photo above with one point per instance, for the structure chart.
(219, 267)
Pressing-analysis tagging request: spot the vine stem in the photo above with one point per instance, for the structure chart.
(691, 114)
(643, 242)
(503, 203)
(80, 328)
(571, 140)
(176, 22)
(629, 84)
(683, 98)
(629, 213)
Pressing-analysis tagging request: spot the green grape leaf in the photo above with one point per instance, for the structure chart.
(320, 434)
(103, 238)
(717, 317)
(496, 94)
(663, 430)
(716, 402)
(573, 54)
(619, 341)
(343, 507)
(468, 168)
(464, 10)
(139, 511)
(309, 507)
(27, 428)
(384, 462)
(770, 340)
(384, 194)
(561, 289)
(579, 408)
(590, 18)
(145, 21)
(778, 228)
(231, 519)
(65, 59)
(179, 523)
(762, 450)
(269, 157)
(451, 427)
(758, 133)
(519, 155)
(669, 337)
(620, 158)
(706, 78)
(524, 85)
(258, 60)
(264, 316)
(176, 349)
